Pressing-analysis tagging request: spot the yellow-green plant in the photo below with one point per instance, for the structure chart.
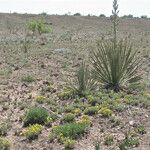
(105, 112)
(4, 144)
(33, 131)
(115, 63)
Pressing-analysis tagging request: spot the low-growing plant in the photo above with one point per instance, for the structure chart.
(85, 120)
(35, 116)
(140, 129)
(28, 78)
(97, 144)
(91, 110)
(68, 92)
(33, 131)
(40, 99)
(51, 137)
(108, 140)
(69, 143)
(48, 121)
(69, 117)
(4, 144)
(105, 112)
(4, 127)
(129, 143)
(71, 130)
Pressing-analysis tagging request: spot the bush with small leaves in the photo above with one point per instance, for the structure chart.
(85, 120)
(4, 144)
(108, 140)
(35, 115)
(69, 143)
(105, 112)
(41, 99)
(28, 79)
(91, 110)
(140, 129)
(33, 131)
(69, 117)
(129, 143)
(49, 121)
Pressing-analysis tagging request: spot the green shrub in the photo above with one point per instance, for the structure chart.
(85, 120)
(140, 129)
(129, 143)
(41, 99)
(51, 137)
(35, 115)
(108, 140)
(38, 26)
(105, 112)
(69, 143)
(69, 117)
(91, 110)
(48, 121)
(28, 79)
(33, 131)
(71, 130)
(4, 144)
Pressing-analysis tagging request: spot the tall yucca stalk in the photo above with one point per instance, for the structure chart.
(115, 63)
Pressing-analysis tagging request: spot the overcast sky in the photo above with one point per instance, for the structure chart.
(95, 7)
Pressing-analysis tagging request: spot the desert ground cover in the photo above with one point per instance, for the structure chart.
(38, 112)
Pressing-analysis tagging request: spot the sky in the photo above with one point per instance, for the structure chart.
(85, 7)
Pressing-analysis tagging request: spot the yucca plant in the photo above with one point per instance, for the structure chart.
(115, 63)
(83, 82)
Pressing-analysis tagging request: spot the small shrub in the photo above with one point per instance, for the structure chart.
(51, 137)
(69, 117)
(66, 93)
(140, 129)
(85, 120)
(33, 131)
(69, 143)
(97, 145)
(49, 121)
(35, 115)
(77, 111)
(108, 140)
(38, 26)
(129, 143)
(105, 112)
(40, 99)
(28, 79)
(71, 130)
(91, 110)
(4, 144)
(4, 127)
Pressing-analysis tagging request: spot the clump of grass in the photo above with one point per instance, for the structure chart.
(28, 78)
(35, 116)
(71, 130)
(69, 117)
(108, 140)
(33, 131)
(91, 110)
(83, 82)
(4, 144)
(97, 144)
